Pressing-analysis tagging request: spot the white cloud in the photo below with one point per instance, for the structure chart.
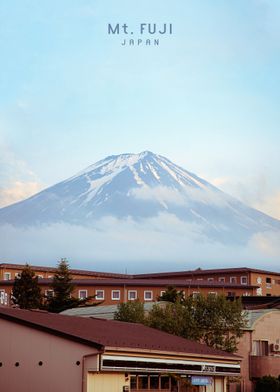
(267, 243)
(162, 243)
(270, 205)
(17, 180)
(18, 191)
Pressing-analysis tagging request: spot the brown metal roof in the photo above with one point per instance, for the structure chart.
(145, 283)
(198, 271)
(72, 271)
(106, 333)
(201, 271)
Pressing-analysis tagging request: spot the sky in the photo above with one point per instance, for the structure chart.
(207, 97)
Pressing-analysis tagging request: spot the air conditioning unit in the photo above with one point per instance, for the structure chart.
(275, 347)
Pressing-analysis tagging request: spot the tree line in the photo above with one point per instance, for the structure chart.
(212, 320)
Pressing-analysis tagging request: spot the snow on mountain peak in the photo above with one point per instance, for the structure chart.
(140, 186)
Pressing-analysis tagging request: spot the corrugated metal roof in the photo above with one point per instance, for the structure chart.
(254, 315)
(103, 311)
(106, 333)
(201, 271)
(72, 271)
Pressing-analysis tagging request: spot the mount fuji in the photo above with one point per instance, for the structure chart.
(138, 187)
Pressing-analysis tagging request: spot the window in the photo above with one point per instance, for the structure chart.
(188, 280)
(231, 294)
(199, 279)
(151, 382)
(244, 280)
(268, 283)
(7, 276)
(195, 294)
(143, 382)
(233, 279)
(164, 382)
(2, 297)
(116, 295)
(49, 293)
(50, 276)
(148, 295)
(222, 280)
(133, 382)
(82, 294)
(132, 295)
(17, 275)
(154, 381)
(40, 277)
(212, 294)
(99, 294)
(161, 293)
(210, 279)
(260, 347)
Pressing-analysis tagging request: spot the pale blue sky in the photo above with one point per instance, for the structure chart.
(207, 98)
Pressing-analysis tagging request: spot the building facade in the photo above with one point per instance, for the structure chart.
(111, 288)
(260, 348)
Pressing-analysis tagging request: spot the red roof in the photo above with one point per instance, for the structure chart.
(72, 271)
(201, 271)
(144, 283)
(106, 333)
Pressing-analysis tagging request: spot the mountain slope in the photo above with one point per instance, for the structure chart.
(140, 186)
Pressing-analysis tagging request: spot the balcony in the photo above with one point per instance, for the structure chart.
(264, 365)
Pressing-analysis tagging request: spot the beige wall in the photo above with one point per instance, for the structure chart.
(59, 372)
(106, 382)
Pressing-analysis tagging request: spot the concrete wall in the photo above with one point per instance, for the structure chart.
(27, 347)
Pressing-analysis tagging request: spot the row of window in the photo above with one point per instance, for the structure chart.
(152, 381)
(8, 276)
(132, 295)
(116, 295)
(232, 279)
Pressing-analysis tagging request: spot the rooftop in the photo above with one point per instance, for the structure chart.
(106, 333)
(200, 271)
(144, 283)
(72, 271)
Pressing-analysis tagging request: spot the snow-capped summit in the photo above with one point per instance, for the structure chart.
(140, 186)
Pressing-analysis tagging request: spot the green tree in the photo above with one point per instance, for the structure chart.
(26, 290)
(63, 288)
(268, 383)
(171, 294)
(171, 318)
(132, 312)
(212, 320)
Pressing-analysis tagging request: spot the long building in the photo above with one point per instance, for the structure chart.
(112, 288)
